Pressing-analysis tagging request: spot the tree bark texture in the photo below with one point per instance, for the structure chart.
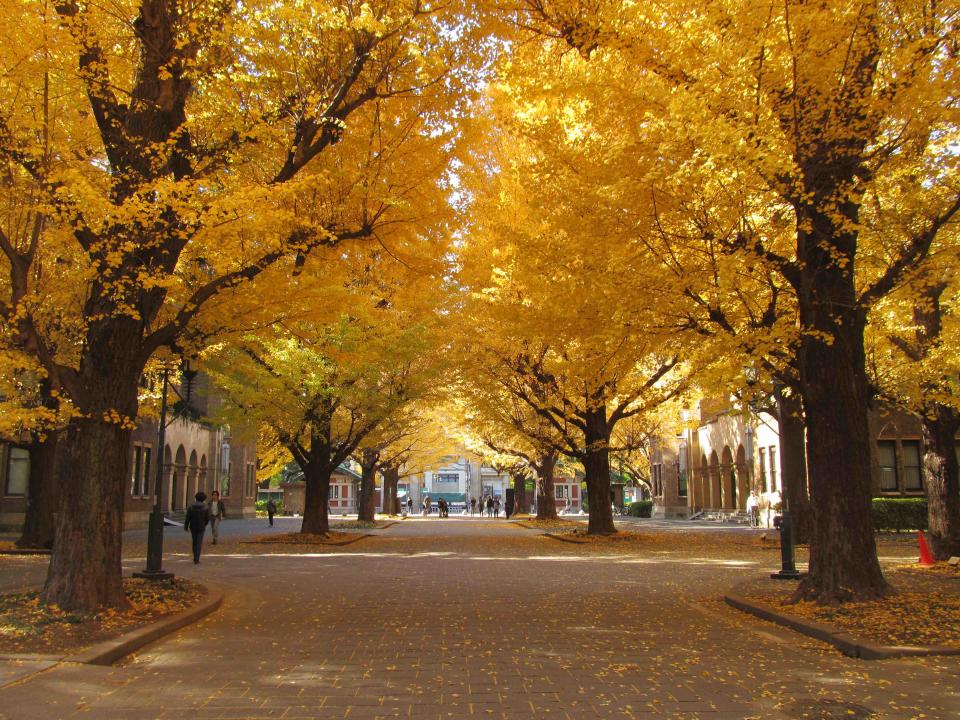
(793, 465)
(520, 504)
(42, 495)
(316, 519)
(596, 462)
(546, 498)
(835, 394)
(391, 480)
(366, 501)
(85, 571)
(939, 427)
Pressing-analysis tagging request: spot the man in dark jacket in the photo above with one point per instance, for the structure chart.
(198, 515)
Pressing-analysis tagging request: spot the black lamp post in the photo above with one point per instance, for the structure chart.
(788, 564)
(154, 569)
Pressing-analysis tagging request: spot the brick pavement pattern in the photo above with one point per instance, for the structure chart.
(460, 618)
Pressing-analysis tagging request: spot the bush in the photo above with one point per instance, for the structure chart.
(640, 508)
(900, 514)
(261, 507)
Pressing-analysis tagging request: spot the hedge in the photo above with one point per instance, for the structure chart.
(261, 507)
(900, 514)
(640, 508)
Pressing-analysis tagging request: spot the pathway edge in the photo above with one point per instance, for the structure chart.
(109, 651)
(846, 643)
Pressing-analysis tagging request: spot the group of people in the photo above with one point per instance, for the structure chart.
(443, 507)
(490, 504)
(202, 513)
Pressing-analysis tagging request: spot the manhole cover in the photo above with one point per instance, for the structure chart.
(812, 709)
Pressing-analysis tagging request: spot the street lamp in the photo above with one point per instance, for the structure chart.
(788, 565)
(154, 569)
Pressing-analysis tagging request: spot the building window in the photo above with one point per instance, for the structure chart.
(140, 471)
(887, 457)
(334, 492)
(18, 472)
(772, 451)
(448, 478)
(226, 480)
(912, 467)
(561, 492)
(682, 483)
(763, 470)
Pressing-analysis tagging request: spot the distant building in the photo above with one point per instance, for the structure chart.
(344, 486)
(713, 466)
(198, 455)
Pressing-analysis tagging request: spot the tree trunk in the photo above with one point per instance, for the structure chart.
(546, 502)
(520, 504)
(316, 520)
(85, 573)
(366, 502)
(939, 427)
(596, 462)
(835, 394)
(793, 464)
(42, 495)
(391, 479)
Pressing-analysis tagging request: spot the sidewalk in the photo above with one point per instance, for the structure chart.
(459, 619)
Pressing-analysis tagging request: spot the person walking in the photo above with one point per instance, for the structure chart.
(489, 506)
(217, 513)
(753, 509)
(271, 510)
(196, 522)
(473, 506)
(496, 506)
(409, 505)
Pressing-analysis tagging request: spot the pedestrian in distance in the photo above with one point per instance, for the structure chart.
(496, 506)
(409, 505)
(473, 505)
(271, 510)
(489, 506)
(196, 522)
(753, 509)
(217, 512)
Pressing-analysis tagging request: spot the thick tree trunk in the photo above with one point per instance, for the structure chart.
(939, 430)
(596, 462)
(391, 479)
(85, 573)
(366, 502)
(520, 504)
(316, 519)
(546, 499)
(835, 394)
(42, 495)
(793, 465)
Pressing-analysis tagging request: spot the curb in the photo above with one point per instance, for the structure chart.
(561, 538)
(339, 543)
(109, 651)
(25, 551)
(846, 643)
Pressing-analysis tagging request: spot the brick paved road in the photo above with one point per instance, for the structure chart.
(449, 619)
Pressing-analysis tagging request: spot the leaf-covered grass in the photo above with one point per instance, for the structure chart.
(29, 626)
(924, 610)
(330, 538)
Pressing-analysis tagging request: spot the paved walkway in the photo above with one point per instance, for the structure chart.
(461, 618)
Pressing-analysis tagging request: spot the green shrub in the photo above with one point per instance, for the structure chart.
(261, 507)
(900, 514)
(640, 508)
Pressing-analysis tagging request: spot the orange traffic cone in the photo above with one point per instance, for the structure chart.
(925, 557)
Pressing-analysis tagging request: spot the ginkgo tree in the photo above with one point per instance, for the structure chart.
(844, 114)
(568, 317)
(192, 148)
